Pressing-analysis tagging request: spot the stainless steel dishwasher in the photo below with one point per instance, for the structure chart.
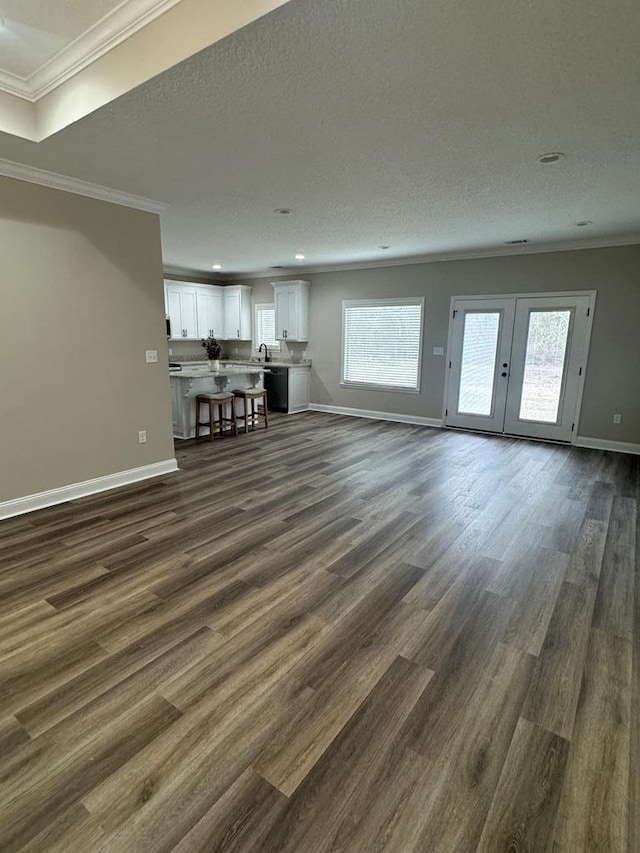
(276, 383)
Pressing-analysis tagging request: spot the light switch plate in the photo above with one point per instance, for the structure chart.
(151, 356)
(438, 350)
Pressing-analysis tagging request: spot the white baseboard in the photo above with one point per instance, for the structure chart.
(605, 444)
(72, 492)
(376, 416)
(580, 441)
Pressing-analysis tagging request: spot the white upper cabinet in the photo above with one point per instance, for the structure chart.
(210, 314)
(180, 304)
(237, 312)
(291, 300)
(195, 310)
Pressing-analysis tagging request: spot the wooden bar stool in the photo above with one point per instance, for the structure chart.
(253, 415)
(216, 404)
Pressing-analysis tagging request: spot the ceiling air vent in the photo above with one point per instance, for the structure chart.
(515, 242)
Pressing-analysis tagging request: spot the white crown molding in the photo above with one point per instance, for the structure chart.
(14, 85)
(605, 444)
(72, 492)
(9, 169)
(106, 34)
(376, 416)
(440, 257)
(178, 273)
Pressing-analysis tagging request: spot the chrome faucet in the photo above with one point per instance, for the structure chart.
(266, 352)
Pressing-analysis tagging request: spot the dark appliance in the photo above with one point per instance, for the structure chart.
(276, 383)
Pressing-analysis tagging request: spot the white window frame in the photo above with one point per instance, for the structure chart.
(263, 306)
(380, 386)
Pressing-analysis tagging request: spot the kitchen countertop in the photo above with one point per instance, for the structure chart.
(195, 372)
(193, 369)
(272, 363)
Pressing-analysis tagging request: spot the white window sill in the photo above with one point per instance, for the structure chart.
(368, 386)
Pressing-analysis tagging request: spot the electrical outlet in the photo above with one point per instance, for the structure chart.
(151, 356)
(617, 419)
(170, 351)
(438, 350)
(142, 436)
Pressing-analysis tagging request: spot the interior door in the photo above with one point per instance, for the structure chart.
(516, 364)
(549, 350)
(480, 354)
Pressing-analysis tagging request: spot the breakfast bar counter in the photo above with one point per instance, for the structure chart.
(187, 383)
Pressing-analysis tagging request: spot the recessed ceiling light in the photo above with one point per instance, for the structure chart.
(216, 266)
(551, 157)
(383, 247)
(284, 211)
(299, 256)
(583, 222)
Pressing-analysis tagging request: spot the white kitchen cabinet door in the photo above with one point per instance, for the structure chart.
(292, 310)
(281, 302)
(210, 313)
(299, 389)
(237, 312)
(176, 406)
(173, 308)
(181, 306)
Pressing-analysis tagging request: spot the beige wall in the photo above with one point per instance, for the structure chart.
(81, 301)
(613, 374)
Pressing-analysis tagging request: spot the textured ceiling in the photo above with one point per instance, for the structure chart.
(413, 124)
(35, 31)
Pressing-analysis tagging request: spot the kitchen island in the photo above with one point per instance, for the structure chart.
(196, 379)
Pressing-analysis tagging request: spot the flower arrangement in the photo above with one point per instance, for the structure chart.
(213, 348)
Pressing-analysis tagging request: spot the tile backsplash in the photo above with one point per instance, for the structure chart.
(192, 351)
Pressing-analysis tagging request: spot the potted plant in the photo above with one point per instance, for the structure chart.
(213, 349)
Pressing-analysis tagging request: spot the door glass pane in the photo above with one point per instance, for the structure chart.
(479, 347)
(544, 365)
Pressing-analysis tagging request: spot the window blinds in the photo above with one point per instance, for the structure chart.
(266, 326)
(382, 342)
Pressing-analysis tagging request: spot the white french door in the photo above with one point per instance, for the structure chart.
(516, 364)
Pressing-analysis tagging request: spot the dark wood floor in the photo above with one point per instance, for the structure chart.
(338, 635)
